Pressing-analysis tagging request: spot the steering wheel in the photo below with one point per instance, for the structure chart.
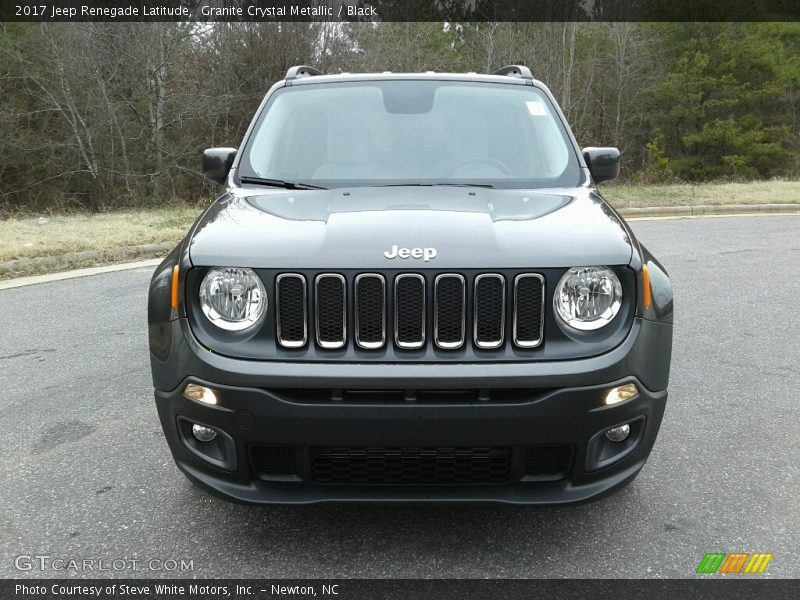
(499, 165)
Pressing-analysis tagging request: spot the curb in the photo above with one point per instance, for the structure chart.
(711, 209)
(18, 282)
(65, 261)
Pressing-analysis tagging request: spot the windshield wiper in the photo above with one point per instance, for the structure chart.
(480, 185)
(289, 185)
(439, 183)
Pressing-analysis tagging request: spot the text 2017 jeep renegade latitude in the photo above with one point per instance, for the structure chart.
(410, 290)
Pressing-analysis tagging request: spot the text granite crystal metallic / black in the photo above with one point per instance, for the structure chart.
(410, 290)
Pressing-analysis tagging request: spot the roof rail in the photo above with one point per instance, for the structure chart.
(520, 71)
(301, 71)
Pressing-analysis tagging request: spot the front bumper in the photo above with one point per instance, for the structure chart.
(563, 405)
(569, 416)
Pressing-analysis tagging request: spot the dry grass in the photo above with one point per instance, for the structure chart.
(756, 192)
(25, 237)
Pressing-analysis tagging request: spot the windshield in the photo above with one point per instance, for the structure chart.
(411, 132)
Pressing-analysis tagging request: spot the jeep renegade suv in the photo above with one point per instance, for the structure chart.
(410, 290)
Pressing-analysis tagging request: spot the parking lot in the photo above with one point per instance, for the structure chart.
(85, 472)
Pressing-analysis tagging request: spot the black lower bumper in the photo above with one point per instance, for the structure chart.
(567, 418)
(560, 405)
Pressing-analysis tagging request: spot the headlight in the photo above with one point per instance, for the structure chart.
(233, 299)
(588, 298)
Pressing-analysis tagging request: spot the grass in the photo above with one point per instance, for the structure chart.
(756, 192)
(30, 237)
(24, 237)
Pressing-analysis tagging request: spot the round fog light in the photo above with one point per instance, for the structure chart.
(206, 434)
(615, 434)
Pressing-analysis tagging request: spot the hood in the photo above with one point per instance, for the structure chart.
(353, 228)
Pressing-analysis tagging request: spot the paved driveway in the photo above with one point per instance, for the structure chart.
(85, 472)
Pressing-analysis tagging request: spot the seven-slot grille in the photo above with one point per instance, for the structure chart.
(459, 310)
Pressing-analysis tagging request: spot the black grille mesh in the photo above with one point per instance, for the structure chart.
(291, 309)
(330, 309)
(547, 461)
(450, 310)
(370, 313)
(411, 465)
(528, 305)
(274, 461)
(489, 310)
(410, 309)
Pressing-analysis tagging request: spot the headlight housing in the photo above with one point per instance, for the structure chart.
(233, 299)
(588, 298)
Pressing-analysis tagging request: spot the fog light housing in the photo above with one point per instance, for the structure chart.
(615, 434)
(621, 393)
(203, 434)
(200, 393)
(612, 444)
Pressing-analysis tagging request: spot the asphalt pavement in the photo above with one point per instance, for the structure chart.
(85, 473)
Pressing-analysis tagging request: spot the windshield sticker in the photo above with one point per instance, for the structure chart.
(537, 109)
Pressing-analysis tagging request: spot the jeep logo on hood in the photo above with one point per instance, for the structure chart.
(425, 254)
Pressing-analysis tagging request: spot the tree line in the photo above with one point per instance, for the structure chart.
(104, 115)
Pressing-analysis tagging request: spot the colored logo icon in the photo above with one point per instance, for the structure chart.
(734, 562)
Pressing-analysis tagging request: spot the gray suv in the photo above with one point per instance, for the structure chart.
(410, 290)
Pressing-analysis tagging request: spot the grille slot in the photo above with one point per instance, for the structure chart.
(528, 304)
(370, 311)
(409, 311)
(490, 310)
(410, 465)
(449, 312)
(331, 310)
(290, 310)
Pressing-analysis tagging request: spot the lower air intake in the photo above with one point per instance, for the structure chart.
(548, 461)
(410, 466)
(274, 461)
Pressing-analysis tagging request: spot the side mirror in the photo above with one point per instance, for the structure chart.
(603, 163)
(217, 162)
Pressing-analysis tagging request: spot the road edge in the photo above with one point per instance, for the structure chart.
(704, 210)
(48, 277)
